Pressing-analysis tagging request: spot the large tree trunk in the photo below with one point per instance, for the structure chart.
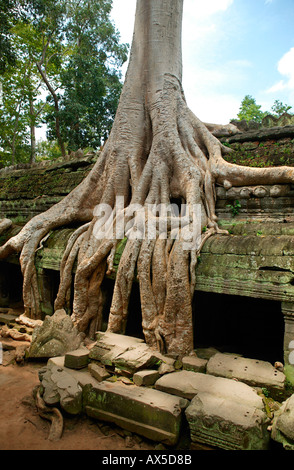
(158, 152)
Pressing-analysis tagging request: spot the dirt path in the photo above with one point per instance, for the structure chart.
(21, 428)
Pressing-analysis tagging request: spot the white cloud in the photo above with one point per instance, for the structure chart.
(279, 86)
(197, 9)
(241, 63)
(123, 14)
(286, 69)
(199, 19)
(210, 90)
(214, 107)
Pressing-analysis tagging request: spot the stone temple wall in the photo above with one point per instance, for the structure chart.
(27, 190)
(262, 147)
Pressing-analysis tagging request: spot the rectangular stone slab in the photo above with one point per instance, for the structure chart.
(110, 345)
(150, 413)
(146, 377)
(136, 358)
(196, 364)
(82, 376)
(187, 384)
(109, 340)
(99, 373)
(251, 371)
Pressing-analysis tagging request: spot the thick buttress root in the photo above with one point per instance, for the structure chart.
(170, 157)
(51, 414)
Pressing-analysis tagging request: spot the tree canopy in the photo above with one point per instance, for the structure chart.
(280, 108)
(64, 58)
(251, 111)
(8, 16)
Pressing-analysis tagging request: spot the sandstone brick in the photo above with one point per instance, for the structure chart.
(225, 423)
(283, 424)
(250, 371)
(194, 363)
(145, 411)
(99, 373)
(111, 345)
(146, 377)
(136, 358)
(165, 368)
(187, 384)
(77, 359)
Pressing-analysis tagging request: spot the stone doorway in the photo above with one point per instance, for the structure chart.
(10, 285)
(134, 321)
(251, 327)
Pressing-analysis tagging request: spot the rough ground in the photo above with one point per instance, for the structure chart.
(21, 428)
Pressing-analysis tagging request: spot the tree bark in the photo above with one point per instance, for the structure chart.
(51, 90)
(15, 133)
(158, 151)
(32, 131)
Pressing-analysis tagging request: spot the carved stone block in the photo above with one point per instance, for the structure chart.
(227, 424)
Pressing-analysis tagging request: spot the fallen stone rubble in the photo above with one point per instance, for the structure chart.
(118, 379)
(224, 400)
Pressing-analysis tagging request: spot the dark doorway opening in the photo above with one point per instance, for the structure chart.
(251, 327)
(48, 284)
(134, 320)
(10, 285)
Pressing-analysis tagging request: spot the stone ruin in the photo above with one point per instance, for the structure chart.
(235, 392)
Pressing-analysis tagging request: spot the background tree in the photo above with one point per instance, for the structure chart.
(249, 110)
(8, 16)
(94, 59)
(66, 46)
(157, 151)
(21, 108)
(48, 24)
(14, 133)
(279, 108)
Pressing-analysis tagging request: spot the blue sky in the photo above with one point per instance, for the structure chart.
(231, 48)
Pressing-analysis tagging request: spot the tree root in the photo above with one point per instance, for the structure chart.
(15, 334)
(4, 224)
(51, 414)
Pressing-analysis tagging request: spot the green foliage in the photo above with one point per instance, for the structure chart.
(289, 372)
(93, 65)
(47, 150)
(279, 108)
(249, 110)
(71, 51)
(20, 107)
(8, 15)
(234, 208)
(13, 124)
